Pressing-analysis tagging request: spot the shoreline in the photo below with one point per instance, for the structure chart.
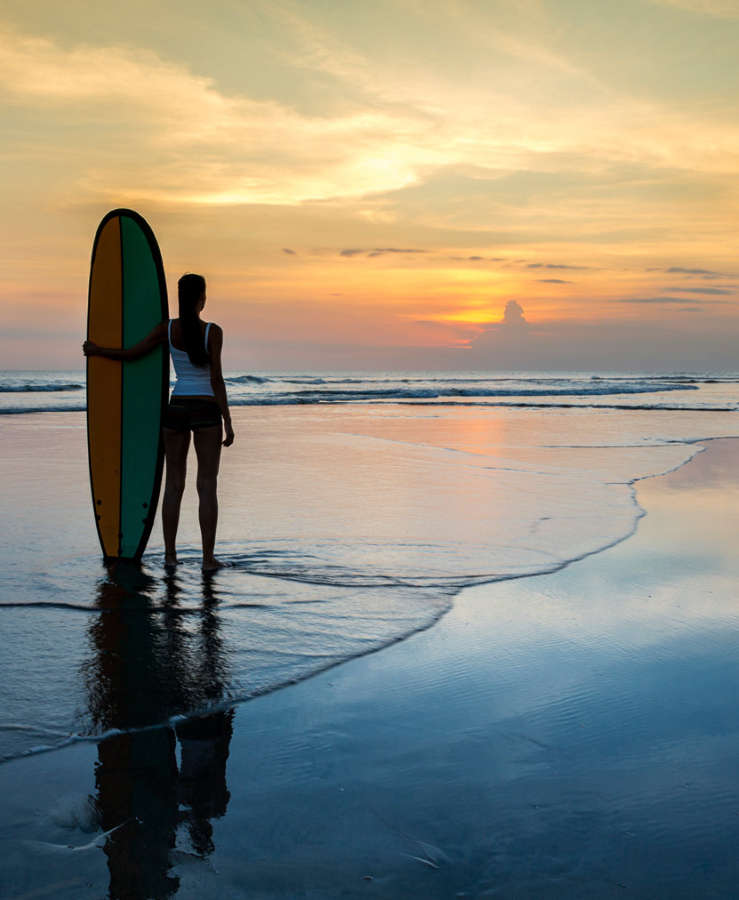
(564, 735)
(453, 592)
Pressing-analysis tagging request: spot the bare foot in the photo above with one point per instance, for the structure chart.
(210, 565)
(170, 560)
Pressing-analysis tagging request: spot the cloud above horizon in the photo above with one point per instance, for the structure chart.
(513, 316)
(378, 251)
(666, 300)
(553, 266)
(702, 290)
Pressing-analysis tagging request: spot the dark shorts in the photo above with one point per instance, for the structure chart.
(191, 414)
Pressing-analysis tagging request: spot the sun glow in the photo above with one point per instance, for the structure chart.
(342, 189)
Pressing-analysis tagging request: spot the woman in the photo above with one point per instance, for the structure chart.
(198, 403)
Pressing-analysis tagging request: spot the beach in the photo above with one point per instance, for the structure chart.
(460, 276)
(458, 650)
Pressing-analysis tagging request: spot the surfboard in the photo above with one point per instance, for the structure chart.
(125, 400)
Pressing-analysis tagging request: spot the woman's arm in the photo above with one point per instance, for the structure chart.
(157, 336)
(216, 380)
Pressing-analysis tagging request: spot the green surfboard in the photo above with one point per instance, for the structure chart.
(125, 400)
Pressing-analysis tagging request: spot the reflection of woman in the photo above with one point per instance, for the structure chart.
(203, 791)
(136, 774)
(197, 404)
(204, 741)
(143, 671)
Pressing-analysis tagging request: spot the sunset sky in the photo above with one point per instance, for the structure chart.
(410, 184)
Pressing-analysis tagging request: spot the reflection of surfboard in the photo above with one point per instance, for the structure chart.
(125, 400)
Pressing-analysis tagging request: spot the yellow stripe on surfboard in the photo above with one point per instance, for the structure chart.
(104, 381)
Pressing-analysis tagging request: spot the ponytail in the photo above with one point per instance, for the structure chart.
(190, 289)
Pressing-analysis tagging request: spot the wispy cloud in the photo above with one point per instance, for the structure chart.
(553, 281)
(378, 251)
(667, 300)
(679, 270)
(205, 146)
(701, 290)
(553, 266)
(476, 258)
(381, 251)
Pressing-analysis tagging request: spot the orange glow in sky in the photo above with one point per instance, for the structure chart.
(361, 195)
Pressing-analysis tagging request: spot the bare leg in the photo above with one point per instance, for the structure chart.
(176, 445)
(208, 450)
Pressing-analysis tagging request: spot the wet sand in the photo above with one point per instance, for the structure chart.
(565, 735)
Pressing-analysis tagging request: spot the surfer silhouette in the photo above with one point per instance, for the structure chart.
(198, 405)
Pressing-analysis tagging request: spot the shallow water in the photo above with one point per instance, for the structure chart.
(344, 529)
(566, 736)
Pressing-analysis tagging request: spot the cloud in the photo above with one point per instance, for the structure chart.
(176, 137)
(702, 274)
(703, 290)
(554, 281)
(289, 251)
(661, 300)
(513, 316)
(698, 339)
(476, 258)
(513, 322)
(681, 270)
(553, 266)
(169, 136)
(378, 251)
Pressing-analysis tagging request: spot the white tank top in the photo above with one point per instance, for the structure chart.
(192, 381)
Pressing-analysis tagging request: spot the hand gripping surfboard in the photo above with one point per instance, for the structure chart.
(125, 400)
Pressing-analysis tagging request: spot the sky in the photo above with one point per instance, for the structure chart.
(401, 185)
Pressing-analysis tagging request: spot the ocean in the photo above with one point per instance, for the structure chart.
(38, 391)
(353, 509)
